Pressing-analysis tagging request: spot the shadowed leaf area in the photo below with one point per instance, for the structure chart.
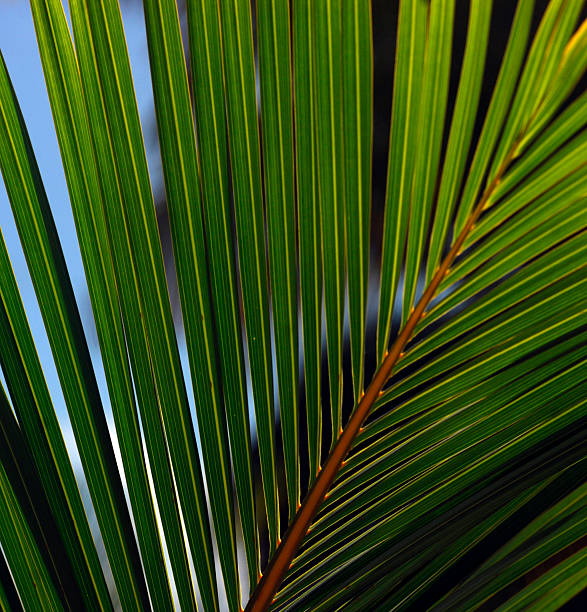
(377, 249)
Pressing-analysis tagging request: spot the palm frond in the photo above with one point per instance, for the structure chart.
(136, 215)
(457, 480)
(309, 226)
(273, 27)
(407, 85)
(178, 151)
(209, 100)
(39, 425)
(48, 270)
(244, 147)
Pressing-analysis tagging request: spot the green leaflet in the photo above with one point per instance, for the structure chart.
(497, 112)
(357, 116)
(554, 588)
(433, 100)
(483, 459)
(243, 138)
(543, 58)
(180, 168)
(424, 460)
(25, 561)
(554, 264)
(58, 504)
(550, 533)
(566, 161)
(21, 473)
(461, 129)
(478, 531)
(309, 223)
(571, 69)
(563, 165)
(65, 332)
(430, 549)
(494, 268)
(473, 422)
(9, 599)
(273, 27)
(131, 307)
(426, 415)
(566, 125)
(541, 309)
(65, 93)
(447, 416)
(207, 70)
(138, 219)
(330, 144)
(409, 57)
(32, 403)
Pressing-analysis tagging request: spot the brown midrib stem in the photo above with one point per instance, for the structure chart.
(270, 581)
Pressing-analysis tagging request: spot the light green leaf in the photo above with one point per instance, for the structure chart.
(433, 101)
(498, 108)
(542, 61)
(461, 129)
(407, 85)
(572, 67)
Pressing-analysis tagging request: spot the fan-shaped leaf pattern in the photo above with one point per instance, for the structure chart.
(455, 477)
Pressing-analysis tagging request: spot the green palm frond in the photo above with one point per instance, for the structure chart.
(453, 476)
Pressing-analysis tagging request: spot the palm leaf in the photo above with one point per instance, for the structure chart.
(328, 51)
(138, 218)
(357, 84)
(131, 307)
(308, 215)
(244, 146)
(432, 109)
(33, 407)
(66, 336)
(455, 477)
(205, 42)
(27, 488)
(178, 150)
(24, 558)
(76, 145)
(9, 599)
(409, 57)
